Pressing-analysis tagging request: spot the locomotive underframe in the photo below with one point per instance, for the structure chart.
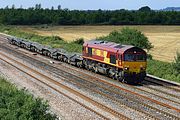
(114, 72)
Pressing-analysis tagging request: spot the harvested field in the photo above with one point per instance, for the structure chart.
(166, 39)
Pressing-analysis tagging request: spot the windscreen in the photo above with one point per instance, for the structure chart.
(134, 57)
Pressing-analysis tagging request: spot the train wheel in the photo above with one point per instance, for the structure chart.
(59, 58)
(114, 77)
(69, 62)
(121, 79)
(88, 68)
(78, 64)
(121, 76)
(95, 69)
(65, 60)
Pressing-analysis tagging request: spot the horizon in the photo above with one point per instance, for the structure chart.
(92, 5)
(56, 8)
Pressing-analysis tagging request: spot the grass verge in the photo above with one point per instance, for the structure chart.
(163, 70)
(19, 104)
(155, 67)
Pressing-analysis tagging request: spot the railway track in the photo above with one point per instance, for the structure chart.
(138, 88)
(134, 87)
(105, 91)
(67, 79)
(159, 90)
(35, 73)
(164, 113)
(165, 84)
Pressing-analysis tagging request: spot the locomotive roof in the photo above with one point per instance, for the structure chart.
(110, 46)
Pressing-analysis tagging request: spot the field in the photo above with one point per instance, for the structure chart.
(165, 39)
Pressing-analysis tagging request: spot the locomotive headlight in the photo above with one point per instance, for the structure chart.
(143, 68)
(126, 68)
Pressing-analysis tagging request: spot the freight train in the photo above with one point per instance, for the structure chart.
(125, 63)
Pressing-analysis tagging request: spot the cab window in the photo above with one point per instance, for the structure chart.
(129, 57)
(141, 57)
(89, 52)
(112, 59)
(135, 57)
(120, 57)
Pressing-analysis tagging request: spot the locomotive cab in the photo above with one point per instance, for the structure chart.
(134, 64)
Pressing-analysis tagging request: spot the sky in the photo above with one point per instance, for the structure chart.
(93, 4)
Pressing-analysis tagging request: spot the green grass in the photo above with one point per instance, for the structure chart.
(155, 67)
(163, 70)
(20, 105)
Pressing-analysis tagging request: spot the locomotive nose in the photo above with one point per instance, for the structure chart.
(135, 67)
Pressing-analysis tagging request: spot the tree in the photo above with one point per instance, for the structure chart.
(13, 6)
(21, 7)
(38, 6)
(7, 7)
(32, 16)
(52, 8)
(145, 9)
(113, 21)
(129, 36)
(59, 7)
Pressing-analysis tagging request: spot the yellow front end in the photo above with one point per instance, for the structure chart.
(134, 72)
(134, 67)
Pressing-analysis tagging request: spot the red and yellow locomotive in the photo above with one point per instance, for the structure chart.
(123, 62)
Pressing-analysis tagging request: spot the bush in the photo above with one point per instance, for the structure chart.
(56, 38)
(130, 37)
(149, 56)
(163, 70)
(176, 64)
(19, 105)
(79, 41)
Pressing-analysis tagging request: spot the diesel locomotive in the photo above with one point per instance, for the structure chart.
(125, 63)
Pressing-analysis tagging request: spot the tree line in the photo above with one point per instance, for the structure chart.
(37, 15)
